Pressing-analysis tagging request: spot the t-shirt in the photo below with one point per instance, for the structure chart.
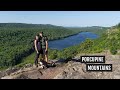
(38, 43)
(43, 41)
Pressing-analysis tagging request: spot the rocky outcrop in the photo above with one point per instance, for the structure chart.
(30, 71)
(14, 70)
(71, 69)
(77, 70)
(8, 71)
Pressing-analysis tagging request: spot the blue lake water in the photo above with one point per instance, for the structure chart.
(72, 40)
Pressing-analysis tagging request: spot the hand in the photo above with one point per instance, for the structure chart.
(37, 52)
(45, 50)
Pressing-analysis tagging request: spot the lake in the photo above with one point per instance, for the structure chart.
(72, 40)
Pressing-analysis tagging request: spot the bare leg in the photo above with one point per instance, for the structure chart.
(43, 57)
(46, 59)
(36, 59)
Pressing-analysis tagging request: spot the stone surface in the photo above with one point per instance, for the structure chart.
(71, 70)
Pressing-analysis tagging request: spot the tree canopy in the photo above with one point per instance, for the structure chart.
(16, 40)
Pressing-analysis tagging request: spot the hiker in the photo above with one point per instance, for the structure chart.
(44, 43)
(41, 47)
(38, 48)
(46, 54)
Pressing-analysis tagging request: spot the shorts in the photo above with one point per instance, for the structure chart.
(43, 51)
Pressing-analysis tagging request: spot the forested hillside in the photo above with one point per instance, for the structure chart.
(108, 40)
(16, 40)
(95, 29)
(88, 46)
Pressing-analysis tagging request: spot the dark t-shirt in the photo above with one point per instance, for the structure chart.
(43, 41)
(38, 44)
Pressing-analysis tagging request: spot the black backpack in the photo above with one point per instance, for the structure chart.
(33, 46)
(39, 45)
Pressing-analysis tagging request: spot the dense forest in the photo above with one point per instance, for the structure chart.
(16, 40)
(88, 46)
(108, 40)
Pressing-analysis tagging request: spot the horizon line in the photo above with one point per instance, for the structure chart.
(55, 25)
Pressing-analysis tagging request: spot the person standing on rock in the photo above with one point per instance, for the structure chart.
(44, 51)
(38, 48)
(44, 43)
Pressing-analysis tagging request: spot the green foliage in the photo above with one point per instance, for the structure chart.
(67, 53)
(16, 40)
(52, 54)
(89, 46)
(104, 42)
(70, 52)
(113, 50)
(26, 60)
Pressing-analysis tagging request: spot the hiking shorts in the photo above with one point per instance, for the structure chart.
(41, 51)
(44, 52)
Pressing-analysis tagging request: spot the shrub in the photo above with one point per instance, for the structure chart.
(113, 50)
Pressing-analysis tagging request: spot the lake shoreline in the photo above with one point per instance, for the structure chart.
(71, 40)
(71, 35)
(66, 36)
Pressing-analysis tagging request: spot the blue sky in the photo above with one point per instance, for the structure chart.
(62, 18)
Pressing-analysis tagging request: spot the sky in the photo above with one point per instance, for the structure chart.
(62, 18)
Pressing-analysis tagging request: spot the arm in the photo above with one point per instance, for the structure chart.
(46, 45)
(35, 46)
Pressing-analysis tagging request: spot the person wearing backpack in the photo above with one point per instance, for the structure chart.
(44, 43)
(38, 48)
(44, 51)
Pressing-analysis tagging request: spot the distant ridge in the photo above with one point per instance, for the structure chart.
(26, 25)
(86, 27)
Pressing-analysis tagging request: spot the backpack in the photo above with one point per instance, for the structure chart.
(44, 38)
(33, 46)
(39, 45)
